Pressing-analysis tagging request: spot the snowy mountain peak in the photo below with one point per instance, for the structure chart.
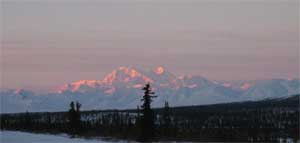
(226, 84)
(246, 86)
(109, 78)
(23, 92)
(79, 85)
(132, 72)
(126, 74)
(18, 91)
(122, 76)
(159, 70)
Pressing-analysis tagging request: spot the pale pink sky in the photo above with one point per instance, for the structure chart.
(47, 43)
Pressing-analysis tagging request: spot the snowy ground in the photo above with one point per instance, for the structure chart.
(23, 137)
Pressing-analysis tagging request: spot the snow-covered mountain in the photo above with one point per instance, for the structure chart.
(121, 89)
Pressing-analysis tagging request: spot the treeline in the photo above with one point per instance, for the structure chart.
(262, 121)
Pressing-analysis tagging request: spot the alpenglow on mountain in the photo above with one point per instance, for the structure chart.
(121, 89)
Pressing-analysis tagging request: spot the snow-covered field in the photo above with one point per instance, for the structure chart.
(23, 137)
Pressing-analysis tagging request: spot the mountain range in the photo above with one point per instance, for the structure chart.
(121, 89)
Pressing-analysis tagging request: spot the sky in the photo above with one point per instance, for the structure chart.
(45, 43)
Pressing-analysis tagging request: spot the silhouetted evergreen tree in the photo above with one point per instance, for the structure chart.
(166, 117)
(78, 116)
(74, 117)
(147, 119)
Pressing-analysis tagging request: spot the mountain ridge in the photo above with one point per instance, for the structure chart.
(120, 89)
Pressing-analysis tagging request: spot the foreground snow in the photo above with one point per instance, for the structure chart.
(23, 137)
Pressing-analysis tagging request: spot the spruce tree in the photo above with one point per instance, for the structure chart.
(166, 119)
(74, 117)
(78, 116)
(147, 120)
